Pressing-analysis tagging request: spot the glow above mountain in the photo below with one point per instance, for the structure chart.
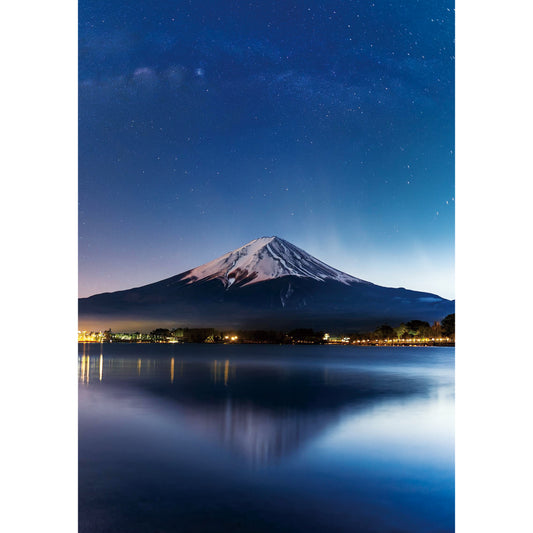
(264, 259)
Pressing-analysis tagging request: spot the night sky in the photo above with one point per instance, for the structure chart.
(206, 124)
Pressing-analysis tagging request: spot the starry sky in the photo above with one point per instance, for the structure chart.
(206, 124)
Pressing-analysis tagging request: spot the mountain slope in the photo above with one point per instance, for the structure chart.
(267, 283)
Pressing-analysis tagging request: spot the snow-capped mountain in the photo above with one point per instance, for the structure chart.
(266, 284)
(265, 259)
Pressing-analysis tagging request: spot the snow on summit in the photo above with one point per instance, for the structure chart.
(264, 259)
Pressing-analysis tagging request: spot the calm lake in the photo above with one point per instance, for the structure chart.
(263, 438)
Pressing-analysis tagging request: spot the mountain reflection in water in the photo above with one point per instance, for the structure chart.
(262, 410)
(262, 438)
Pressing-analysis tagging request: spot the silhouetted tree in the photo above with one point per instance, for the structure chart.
(384, 332)
(401, 331)
(448, 325)
(160, 334)
(436, 329)
(418, 327)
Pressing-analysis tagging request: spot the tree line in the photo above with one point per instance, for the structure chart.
(414, 329)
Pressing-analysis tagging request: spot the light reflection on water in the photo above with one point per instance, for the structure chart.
(363, 435)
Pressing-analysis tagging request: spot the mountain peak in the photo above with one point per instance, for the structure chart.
(264, 259)
(267, 283)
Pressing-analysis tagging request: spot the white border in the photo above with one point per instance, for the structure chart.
(39, 266)
(493, 267)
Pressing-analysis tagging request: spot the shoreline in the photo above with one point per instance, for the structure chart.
(369, 343)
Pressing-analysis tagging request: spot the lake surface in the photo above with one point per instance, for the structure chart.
(263, 438)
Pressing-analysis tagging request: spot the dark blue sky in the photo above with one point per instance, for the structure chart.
(206, 124)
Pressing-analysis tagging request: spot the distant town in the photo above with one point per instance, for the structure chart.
(412, 333)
